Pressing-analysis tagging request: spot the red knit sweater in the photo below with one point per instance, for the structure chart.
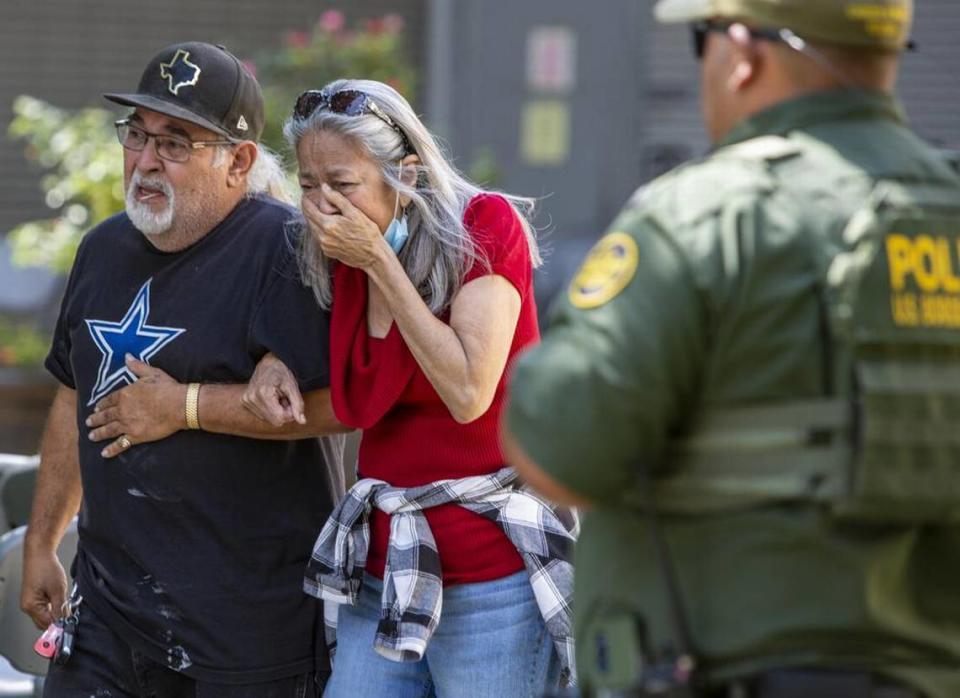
(409, 436)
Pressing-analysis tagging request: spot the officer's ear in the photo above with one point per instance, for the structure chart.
(744, 56)
(244, 155)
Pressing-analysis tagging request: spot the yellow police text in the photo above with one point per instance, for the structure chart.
(924, 280)
(925, 310)
(929, 261)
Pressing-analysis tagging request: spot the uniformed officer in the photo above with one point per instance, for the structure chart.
(754, 381)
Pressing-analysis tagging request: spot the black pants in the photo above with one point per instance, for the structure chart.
(812, 683)
(786, 683)
(104, 666)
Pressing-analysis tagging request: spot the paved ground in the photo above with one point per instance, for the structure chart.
(13, 684)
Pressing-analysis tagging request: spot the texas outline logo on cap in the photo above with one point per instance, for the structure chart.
(180, 72)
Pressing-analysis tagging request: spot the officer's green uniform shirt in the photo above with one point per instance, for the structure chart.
(703, 295)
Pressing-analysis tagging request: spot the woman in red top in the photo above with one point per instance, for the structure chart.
(429, 283)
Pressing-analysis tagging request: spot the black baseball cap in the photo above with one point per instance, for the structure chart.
(203, 84)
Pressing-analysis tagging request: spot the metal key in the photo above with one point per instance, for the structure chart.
(64, 644)
(65, 641)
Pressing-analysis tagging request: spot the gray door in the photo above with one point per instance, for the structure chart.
(551, 89)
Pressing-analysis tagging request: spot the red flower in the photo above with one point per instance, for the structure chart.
(297, 39)
(332, 21)
(393, 23)
(250, 66)
(374, 26)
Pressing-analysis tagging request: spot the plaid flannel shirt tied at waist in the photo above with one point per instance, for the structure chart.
(543, 534)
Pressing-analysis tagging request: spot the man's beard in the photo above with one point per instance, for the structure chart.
(149, 222)
(187, 214)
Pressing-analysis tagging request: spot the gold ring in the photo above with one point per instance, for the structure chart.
(124, 442)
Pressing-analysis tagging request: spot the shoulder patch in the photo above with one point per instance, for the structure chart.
(764, 148)
(606, 271)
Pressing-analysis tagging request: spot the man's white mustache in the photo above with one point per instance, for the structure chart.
(150, 182)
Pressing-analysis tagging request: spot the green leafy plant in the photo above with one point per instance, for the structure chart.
(84, 182)
(483, 167)
(21, 344)
(325, 51)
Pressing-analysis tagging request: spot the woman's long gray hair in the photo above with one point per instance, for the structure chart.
(265, 177)
(439, 250)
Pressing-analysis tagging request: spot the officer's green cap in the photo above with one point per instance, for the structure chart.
(868, 24)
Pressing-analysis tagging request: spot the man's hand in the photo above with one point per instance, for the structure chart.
(148, 410)
(44, 587)
(273, 394)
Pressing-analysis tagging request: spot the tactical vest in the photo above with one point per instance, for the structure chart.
(886, 447)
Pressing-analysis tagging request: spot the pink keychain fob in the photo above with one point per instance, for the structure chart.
(46, 644)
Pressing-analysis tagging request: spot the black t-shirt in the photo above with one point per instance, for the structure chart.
(193, 548)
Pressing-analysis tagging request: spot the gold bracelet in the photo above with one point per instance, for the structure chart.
(192, 408)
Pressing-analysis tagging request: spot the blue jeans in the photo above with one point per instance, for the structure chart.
(491, 642)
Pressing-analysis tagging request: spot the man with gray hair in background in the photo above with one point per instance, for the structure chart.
(192, 546)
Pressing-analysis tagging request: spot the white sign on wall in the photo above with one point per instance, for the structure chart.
(552, 59)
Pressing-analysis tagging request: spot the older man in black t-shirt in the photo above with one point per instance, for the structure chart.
(192, 547)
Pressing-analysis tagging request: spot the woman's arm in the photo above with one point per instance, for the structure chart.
(153, 408)
(463, 360)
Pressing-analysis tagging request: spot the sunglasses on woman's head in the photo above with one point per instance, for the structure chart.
(347, 102)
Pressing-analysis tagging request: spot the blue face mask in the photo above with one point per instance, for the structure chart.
(397, 232)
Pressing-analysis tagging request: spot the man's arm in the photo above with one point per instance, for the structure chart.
(55, 502)
(153, 408)
(535, 476)
(595, 400)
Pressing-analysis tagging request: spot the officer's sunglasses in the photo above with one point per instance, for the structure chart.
(348, 102)
(172, 148)
(699, 31)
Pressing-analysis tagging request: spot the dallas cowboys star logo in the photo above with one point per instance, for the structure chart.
(132, 335)
(180, 72)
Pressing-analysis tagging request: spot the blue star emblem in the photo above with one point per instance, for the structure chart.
(180, 72)
(132, 335)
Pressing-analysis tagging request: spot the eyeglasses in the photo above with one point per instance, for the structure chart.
(172, 148)
(699, 31)
(348, 102)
